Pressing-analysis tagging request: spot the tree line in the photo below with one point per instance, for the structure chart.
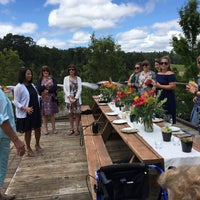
(103, 58)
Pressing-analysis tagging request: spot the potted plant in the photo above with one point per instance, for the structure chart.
(166, 133)
(186, 144)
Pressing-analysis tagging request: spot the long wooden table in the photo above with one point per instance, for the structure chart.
(142, 151)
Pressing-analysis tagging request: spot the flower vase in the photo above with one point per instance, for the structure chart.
(127, 106)
(148, 126)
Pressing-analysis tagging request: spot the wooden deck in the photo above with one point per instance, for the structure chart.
(59, 172)
(56, 173)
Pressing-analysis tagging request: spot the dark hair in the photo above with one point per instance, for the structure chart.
(140, 64)
(22, 75)
(145, 62)
(169, 62)
(157, 60)
(44, 68)
(71, 66)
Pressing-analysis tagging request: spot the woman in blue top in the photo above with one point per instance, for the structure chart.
(194, 88)
(7, 133)
(166, 81)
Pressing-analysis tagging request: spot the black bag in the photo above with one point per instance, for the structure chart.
(95, 127)
(123, 181)
(86, 112)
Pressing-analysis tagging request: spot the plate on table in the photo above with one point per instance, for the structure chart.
(174, 128)
(156, 120)
(129, 130)
(102, 104)
(111, 113)
(119, 121)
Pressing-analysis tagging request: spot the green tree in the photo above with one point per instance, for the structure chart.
(187, 46)
(104, 60)
(21, 44)
(10, 64)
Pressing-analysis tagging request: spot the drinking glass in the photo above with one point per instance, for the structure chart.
(158, 143)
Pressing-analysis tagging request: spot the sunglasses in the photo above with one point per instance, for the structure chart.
(137, 68)
(199, 62)
(145, 65)
(71, 69)
(45, 70)
(164, 63)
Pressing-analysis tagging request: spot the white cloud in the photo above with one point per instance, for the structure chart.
(147, 39)
(97, 14)
(80, 38)
(25, 28)
(60, 44)
(166, 26)
(4, 2)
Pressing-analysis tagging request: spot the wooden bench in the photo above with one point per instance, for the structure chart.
(96, 152)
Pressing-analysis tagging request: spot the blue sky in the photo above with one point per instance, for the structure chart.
(137, 25)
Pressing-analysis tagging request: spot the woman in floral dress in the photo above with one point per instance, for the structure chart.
(47, 87)
(72, 88)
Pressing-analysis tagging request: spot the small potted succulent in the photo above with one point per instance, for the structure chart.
(166, 133)
(186, 144)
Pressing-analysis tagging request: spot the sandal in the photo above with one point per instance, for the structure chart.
(77, 133)
(30, 153)
(71, 132)
(46, 133)
(55, 131)
(38, 148)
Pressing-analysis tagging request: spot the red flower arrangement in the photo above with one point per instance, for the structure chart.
(147, 106)
(125, 95)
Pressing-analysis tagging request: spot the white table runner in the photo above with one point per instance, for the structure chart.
(170, 151)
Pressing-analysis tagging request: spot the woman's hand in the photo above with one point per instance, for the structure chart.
(195, 99)
(156, 84)
(72, 100)
(191, 88)
(29, 110)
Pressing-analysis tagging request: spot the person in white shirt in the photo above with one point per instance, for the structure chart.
(72, 88)
(27, 109)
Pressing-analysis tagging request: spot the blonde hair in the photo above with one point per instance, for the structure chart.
(198, 58)
(182, 182)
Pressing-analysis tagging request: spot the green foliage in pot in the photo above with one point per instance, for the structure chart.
(166, 129)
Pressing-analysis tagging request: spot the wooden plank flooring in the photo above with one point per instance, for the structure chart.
(59, 172)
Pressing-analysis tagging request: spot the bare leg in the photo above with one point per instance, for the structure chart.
(27, 138)
(71, 122)
(53, 123)
(37, 138)
(45, 122)
(78, 119)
